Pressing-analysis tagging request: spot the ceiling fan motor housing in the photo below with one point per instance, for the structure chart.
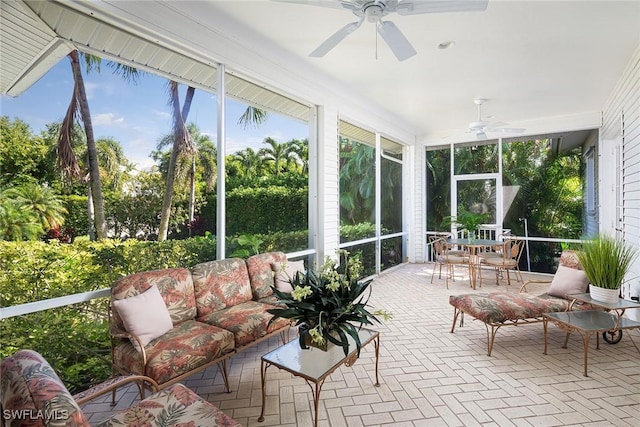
(374, 11)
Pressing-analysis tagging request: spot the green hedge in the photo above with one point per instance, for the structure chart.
(260, 210)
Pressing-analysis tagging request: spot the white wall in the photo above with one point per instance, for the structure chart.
(621, 124)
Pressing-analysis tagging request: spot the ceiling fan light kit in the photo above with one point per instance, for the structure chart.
(374, 10)
(481, 127)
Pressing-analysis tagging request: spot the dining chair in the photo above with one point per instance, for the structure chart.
(509, 260)
(444, 255)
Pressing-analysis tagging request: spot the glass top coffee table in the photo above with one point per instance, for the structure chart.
(618, 307)
(586, 322)
(315, 365)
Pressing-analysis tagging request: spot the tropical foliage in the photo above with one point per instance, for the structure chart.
(540, 185)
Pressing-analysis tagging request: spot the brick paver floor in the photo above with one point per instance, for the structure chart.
(430, 377)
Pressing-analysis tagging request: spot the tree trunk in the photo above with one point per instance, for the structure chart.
(186, 107)
(92, 153)
(180, 142)
(180, 134)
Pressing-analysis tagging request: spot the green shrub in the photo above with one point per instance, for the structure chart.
(280, 209)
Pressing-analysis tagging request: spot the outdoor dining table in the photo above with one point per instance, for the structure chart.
(474, 246)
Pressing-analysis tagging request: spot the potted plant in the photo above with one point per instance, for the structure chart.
(606, 261)
(467, 220)
(329, 305)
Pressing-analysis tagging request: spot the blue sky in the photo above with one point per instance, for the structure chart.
(137, 115)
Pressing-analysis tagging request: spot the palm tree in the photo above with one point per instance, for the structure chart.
(16, 223)
(114, 165)
(277, 153)
(66, 158)
(300, 150)
(252, 116)
(250, 161)
(29, 210)
(182, 143)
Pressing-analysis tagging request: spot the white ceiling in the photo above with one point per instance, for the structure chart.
(530, 59)
(543, 65)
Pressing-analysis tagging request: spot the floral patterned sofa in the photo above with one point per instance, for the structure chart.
(497, 309)
(168, 324)
(33, 395)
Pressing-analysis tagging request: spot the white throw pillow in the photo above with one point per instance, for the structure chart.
(145, 315)
(286, 271)
(568, 281)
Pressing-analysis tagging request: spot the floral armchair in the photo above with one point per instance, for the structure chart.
(34, 395)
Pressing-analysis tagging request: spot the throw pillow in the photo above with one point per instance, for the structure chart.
(286, 271)
(568, 281)
(145, 315)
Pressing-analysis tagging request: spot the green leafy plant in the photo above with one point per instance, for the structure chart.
(606, 261)
(248, 245)
(332, 303)
(467, 220)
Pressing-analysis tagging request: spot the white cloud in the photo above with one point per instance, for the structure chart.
(143, 163)
(107, 119)
(91, 89)
(161, 114)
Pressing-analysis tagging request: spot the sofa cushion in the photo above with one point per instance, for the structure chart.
(220, 284)
(261, 275)
(568, 281)
(247, 321)
(186, 409)
(31, 386)
(175, 286)
(144, 315)
(286, 271)
(186, 346)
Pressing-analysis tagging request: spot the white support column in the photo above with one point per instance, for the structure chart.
(221, 146)
(328, 180)
(378, 202)
(313, 212)
(415, 202)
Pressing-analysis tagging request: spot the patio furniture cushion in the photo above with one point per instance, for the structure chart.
(568, 281)
(179, 404)
(175, 286)
(187, 345)
(220, 284)
(248, 321)
(145, 315)
(261, 275)
(33, 395)
(569, 258)
(31, 390)
(285, 272)
(500, 307)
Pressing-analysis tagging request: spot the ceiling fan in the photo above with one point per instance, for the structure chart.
(481, 127)
(374, 10)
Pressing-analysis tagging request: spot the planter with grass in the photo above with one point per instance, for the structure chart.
(606, 261)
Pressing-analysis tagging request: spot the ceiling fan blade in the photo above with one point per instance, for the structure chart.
(397, 42)
(415, 7)
(332, 41)
(335, 4)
